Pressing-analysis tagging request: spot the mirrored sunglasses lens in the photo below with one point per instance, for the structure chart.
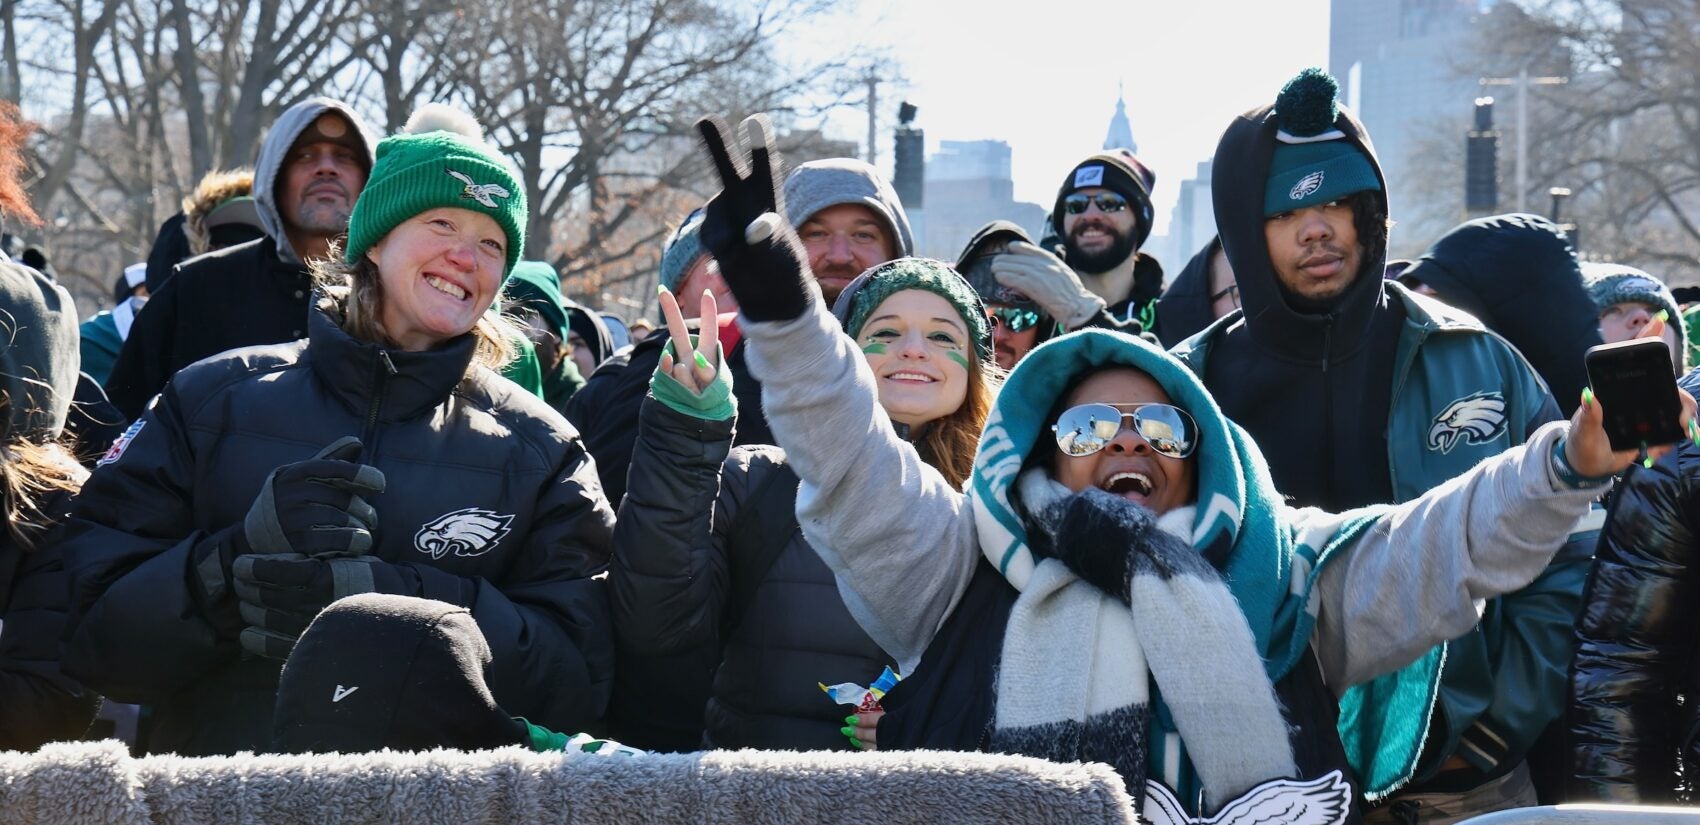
(1017, 320)
(1167, 429)
(1075, 204)
(1085, 430)
(1108, 202)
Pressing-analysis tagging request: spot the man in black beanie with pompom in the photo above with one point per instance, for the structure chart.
(1360, 392)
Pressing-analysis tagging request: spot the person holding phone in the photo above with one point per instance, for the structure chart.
(1631, 738)
(1119, 580)
(1628, 299)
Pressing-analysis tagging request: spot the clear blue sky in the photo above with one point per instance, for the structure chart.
(1043, 76)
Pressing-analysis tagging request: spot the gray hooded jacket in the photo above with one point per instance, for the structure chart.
(275, 149)
(820, 184)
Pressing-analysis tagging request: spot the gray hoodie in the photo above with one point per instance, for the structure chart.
(819, 184)
(275, 149)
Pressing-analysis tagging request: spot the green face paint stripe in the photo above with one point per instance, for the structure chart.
(875, 348)
(958, 358)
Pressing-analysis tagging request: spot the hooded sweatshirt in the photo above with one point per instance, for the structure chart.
(820, 184)
(1312, 388)
(903, 575)
(1184, 307)
(1518, 275)
(275, 150)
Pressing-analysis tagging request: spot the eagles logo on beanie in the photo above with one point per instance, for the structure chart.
(1120, 172)
(1313, 163)
(439, 160)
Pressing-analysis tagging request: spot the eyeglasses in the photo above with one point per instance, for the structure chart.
(1107, 202)
(1088, 428)
(1015, 319)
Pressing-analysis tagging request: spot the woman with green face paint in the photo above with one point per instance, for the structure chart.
(710, 573)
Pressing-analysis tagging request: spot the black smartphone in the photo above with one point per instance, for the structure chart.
(1636, 385)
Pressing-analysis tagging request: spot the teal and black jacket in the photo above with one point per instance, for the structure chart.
(1378, 396)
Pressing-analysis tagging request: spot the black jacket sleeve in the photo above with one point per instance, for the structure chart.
(144, 361)
(38, 703)
(139, 628)
(670, 577)
(1636, 634)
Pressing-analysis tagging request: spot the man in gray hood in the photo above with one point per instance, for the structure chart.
(848, 218)
(310, 170)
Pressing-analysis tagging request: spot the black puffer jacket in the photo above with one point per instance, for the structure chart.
(38, 704)
(1637, 640)
(683, 546)
(605, 409)
(450, 445)
(237, 297)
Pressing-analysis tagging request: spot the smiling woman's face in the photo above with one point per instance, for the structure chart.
(440, 270)
(1127, 466)
(918, 348)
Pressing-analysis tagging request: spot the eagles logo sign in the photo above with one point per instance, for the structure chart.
(1476, 418)
(1306, 185)
(469, 532)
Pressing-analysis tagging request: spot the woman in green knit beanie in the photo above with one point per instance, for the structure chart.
(433, 238)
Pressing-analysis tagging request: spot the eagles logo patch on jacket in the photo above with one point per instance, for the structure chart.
(471, 531)
(1477, 418)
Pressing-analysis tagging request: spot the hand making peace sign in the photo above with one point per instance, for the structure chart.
(744, 226)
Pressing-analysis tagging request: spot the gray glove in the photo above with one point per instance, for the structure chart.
(1049, 282)
(315, 506)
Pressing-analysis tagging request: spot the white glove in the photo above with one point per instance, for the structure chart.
(1051, 284)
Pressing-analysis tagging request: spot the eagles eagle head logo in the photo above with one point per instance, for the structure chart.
(469, 532)
(1306, 185)
(1476, 418)
(480, 192)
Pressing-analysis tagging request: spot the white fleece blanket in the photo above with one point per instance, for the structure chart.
(98, 782)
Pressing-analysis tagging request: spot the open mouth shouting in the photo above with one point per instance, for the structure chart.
(1133, 485)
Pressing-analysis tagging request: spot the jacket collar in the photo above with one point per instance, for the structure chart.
(399, 385)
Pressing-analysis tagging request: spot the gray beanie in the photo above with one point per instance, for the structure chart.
(682, 251)
(1613, 284)
(39, 355)
(819, 184)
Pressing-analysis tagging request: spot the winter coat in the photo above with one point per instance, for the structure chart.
(1518, 275)
(38, 703)
(605, 410)
(687, 540)
(1631, 740)
(240, 296)
(459, 450)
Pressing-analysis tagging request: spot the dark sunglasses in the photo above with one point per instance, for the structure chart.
(1015, 319)
(1107, 202)
(1088, 428)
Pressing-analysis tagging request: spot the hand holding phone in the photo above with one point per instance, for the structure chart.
(1635, 384)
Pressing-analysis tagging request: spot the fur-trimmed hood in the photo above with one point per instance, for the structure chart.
(218, 188)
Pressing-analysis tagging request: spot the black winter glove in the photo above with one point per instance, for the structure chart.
(279, 594)
(315, 507)
(1101, 537)
(744, 225)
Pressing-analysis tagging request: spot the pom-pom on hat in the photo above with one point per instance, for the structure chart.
(448, 165)
(1313, 162)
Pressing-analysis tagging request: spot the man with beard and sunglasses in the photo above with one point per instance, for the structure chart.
(1102, 216)
(309, 171)
(1359, 391)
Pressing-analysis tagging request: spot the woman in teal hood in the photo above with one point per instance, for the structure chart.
(1119, 581)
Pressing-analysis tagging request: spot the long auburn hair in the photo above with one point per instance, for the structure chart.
(949, 443)
(357, 292)
(30, 472)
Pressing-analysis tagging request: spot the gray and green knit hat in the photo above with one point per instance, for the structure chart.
(871, 288)
(1613, 284)
(1313, 163)
(417, 172)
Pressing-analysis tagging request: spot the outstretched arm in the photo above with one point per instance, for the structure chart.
(899, 537)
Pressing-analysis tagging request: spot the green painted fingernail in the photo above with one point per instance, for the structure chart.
(660, 289)
(1587, 396)
(1663, 315)
(702, 363)
(850, 720)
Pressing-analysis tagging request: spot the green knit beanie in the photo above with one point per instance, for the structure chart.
(1313, 162)
(936, 277)
(537, 285)
(414, 173)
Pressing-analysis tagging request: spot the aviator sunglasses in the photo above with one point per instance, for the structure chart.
(1015, 319)
(1088, 428)
(1107, 202)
